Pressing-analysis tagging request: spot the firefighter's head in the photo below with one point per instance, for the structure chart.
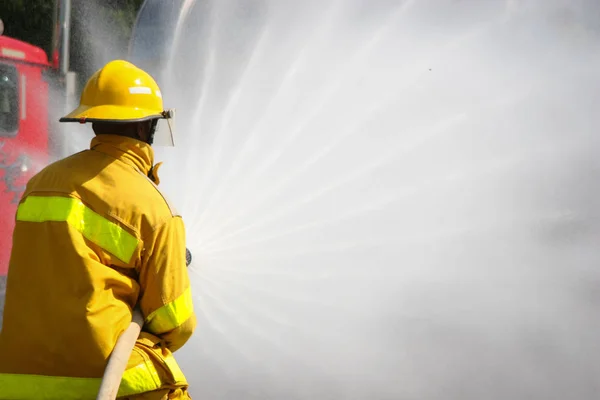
(122, 99)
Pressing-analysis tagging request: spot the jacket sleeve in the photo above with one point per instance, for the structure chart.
(165, 293)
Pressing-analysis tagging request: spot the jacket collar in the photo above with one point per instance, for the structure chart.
(133, 152)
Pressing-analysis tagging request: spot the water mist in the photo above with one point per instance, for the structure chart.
(388, 199)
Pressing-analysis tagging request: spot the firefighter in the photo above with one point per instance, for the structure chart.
(94, 237)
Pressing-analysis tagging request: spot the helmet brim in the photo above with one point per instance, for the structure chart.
(109, 113)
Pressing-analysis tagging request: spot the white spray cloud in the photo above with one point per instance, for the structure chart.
(389, 199)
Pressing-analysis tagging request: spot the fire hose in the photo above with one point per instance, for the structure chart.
(117, 362)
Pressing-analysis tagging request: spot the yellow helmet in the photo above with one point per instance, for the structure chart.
(120, 92)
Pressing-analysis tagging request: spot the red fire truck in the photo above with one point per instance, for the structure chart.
(23, 127)
(26, 141)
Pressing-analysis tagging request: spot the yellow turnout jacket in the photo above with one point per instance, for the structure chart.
(94, 237)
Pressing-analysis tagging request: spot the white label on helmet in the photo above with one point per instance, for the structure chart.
(140, 90)
(158, 94)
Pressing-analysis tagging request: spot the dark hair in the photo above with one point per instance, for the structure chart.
(128, 129)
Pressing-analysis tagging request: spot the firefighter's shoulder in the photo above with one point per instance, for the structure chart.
(162, 195)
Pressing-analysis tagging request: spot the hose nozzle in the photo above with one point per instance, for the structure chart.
(188, 257)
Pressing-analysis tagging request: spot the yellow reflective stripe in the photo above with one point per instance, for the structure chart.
(97, 229)
(171, 315)
(25, 387)
(139, 379)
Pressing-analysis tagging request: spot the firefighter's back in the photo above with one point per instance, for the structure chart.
(76, 256)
